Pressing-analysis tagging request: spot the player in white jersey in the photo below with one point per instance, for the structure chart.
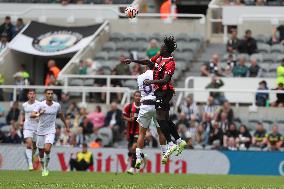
(29, 126)
(47, 112)
(146, 115)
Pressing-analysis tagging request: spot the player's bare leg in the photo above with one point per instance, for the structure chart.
(140, 146)
(29, 153)
(133, 159)
(45, 154)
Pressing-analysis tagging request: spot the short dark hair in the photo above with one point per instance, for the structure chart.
(7, 18)
(248, 31)
(84, 145)
(170, 43)
(45, 91)
(137, 92)
(31, 90)
(20, 20)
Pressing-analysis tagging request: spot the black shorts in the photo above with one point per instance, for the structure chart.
(163, 99)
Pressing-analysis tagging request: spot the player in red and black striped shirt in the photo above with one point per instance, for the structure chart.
(130, 114)
(164, 67)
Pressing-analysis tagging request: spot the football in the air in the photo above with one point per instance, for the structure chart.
(131, 12)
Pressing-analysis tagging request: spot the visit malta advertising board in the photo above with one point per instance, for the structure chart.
(49, 40)
(189, 162)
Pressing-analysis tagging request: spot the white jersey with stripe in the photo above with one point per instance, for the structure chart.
(48, 118)
(147, 91)
(30, 123)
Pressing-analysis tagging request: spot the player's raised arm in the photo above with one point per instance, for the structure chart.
(142, 62)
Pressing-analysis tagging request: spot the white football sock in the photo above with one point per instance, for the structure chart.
(138, 153)
(164, 149)
(29, 154)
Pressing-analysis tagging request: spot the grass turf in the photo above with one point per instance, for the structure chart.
(78, 180)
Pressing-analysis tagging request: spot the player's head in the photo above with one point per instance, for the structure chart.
(169, 46)
(31, 94)
(48, 94)
(84, 148)
(137, 96)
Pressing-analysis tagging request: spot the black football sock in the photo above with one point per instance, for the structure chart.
(133, 160)
(173, 130)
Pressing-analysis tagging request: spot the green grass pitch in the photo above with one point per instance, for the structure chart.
(78, 180)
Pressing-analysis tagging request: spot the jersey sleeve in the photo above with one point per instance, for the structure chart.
(37, 107)
(170, 68)
(126, 110)
(154, 58)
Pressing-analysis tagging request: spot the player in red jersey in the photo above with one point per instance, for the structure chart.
(130, 114)
(164, 66)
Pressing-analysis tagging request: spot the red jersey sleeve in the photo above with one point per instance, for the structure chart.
(154, 58)
(126, 110)
(170, 68)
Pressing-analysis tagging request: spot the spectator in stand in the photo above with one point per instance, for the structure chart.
(73, 110)
(97, 118)
(13, 114)
(65, 2)
(1, 90)
(199, 137)
(216, 135)
(224, 122)
(274, 140)
(108, 2)
(182, 124)
(190, 109)
(231, 138)
(121, 68)
(208, 126)
(228, 110)
(13, 137)
(259, 135)
(254, 69)
(280, 72)
(97, 143)
(136, 70)
(19, 25)
(115, 122)
(213, 67)
(153, 48)
(216, 83)
(80, 2)
(245, 138)
(233, 42)
(87, 128)
(248, 44)
(280, 96)
(64, 102)
(2, 137)
(210, 108)
(262, 98)
(8, 28)
(83, 67)
(259, 3)
(231, 63)
(53, 71)
(240, 70)
(3, 41)
(280, 40)
(2, 113)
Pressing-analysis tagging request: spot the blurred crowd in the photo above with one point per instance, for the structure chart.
(254, 2)
(203, 127)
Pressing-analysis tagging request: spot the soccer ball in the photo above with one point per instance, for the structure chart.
(131, 12)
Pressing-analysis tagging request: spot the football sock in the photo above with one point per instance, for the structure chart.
(29, 154)
(138, 153)
(133, 160)
(173, 130)
(164, 149)
(47, 158)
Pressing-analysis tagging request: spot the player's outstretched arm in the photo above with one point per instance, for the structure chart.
(36, 114)
(163, 81)
(141, 62)
(62, 117)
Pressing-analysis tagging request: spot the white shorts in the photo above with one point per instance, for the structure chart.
(147, 113)
(30, 134)
(44, 139)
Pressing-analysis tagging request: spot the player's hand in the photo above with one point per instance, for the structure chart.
(147, 82)
(41, 112)
(125, 60)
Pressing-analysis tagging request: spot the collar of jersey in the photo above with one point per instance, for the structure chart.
(167, 58)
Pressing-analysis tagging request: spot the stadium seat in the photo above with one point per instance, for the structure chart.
(109, 46)
(131, 84)
(122, 46)
(156, 36)
(183, 37)
(88, 82)
(115, 37)
(263, 48)
(256, 56)
(261, 38)
(277, 48)
(142, 37)
(101, 56)
(129, 37)
(76, 82)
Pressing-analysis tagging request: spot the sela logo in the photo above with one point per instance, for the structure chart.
(56, 41)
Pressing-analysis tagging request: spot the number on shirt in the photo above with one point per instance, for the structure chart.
(147, 88)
